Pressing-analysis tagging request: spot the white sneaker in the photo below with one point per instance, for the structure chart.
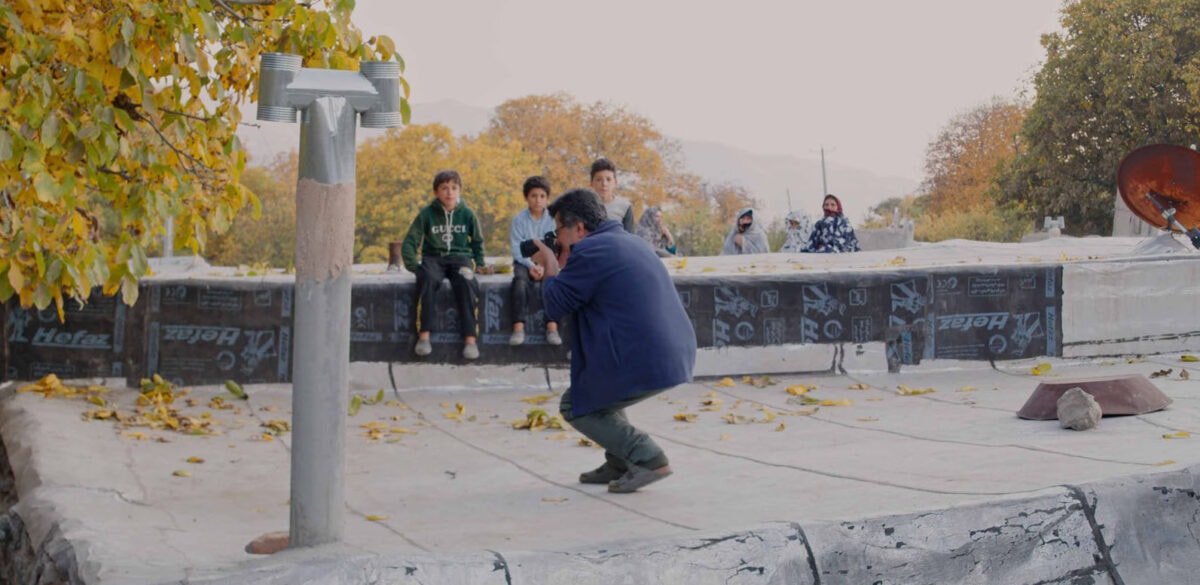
(423, 347)
(553, 338)
(471, 351)
(517, 338)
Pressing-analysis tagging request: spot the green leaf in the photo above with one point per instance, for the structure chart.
(236, 390)
(379, 396)
(405, 111)
(119, 54)
(6, 145)
(356, 403)
(50, 130)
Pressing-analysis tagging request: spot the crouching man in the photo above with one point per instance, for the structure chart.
(632, 338)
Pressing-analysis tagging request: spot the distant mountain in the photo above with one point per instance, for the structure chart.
(767, 177)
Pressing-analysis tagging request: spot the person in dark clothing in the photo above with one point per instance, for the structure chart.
(451, 246)
(623, 351)
(832, 233)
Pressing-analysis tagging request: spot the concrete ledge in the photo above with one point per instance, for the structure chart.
(1140, 529)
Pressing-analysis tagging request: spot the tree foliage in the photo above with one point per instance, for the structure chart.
(1121, 74)
(269, 239)
(565, 136)
(117, 116)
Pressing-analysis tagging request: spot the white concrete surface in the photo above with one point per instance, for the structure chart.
(470, 500)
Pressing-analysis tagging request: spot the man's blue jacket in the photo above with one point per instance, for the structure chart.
(631, 332)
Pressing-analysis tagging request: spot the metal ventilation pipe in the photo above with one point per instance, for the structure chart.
(328, 101)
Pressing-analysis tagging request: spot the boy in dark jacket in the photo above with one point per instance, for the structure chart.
(451, 246)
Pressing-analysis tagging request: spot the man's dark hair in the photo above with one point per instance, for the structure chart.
(602, 164)
(446, 177)
(536, 182)
(579, 205)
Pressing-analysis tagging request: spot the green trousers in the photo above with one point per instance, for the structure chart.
(609, 427)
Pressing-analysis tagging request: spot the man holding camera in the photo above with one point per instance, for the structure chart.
(632, 338)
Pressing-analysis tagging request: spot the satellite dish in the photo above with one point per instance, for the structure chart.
(1160, 184)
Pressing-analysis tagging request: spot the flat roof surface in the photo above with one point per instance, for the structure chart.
(425, 475)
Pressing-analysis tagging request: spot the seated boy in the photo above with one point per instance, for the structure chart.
(451, 245)
(531, 223)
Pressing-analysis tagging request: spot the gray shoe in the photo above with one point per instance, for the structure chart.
(637, 478)
(553, 338)
(604, 474)
(517, 338)
(423, 348)
(471, 351)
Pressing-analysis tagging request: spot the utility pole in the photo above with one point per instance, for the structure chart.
(329, 102)
(824, 184)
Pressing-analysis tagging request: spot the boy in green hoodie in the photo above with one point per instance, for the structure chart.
(451, 244)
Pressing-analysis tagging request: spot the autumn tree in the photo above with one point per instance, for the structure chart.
(565, 136)
(269, 239)
(958, 197)
(116, 117)
(395, 179)
(702, 222)
(1121, 74)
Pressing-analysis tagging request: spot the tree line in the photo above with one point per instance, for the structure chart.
(1120, 74)
(114, 122)
(551, 135)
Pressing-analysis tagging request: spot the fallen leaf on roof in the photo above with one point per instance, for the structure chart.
(859, 387)
(1165, 462)
(181, 473)
(1188, 358)
(1162, 373)
(376, 517)
(685, 417)
(554, 500)
(726, 383)
(906, 391)
(723, 437)
(1178, 435)
(798, 389)
(1040, 369)
(967, 389)
(558, 437)
(868, 419)
(842, 402)
(539, 399)
(780, 427)
(586, 442)
(194, 459)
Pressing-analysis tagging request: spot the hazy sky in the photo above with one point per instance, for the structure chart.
(872, 81)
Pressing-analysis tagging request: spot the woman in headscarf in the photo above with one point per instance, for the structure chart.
(747, 236)
(799, 226)
(652, 229)
(832, 233)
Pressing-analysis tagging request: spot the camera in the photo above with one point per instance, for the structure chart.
(528, 248)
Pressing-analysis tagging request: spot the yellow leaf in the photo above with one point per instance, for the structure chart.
(402, 432)
(135, 435)
(558, 437)
(708, 269)
(1188, 358)
(723, 437)
(680, 265)
(1165, 462)
(708, 395)
(842, 402)
(906, 391)
(195, 460)
(181, 473)
(376, 517)
(859, 387)
(1178, 435)
(585, 442)
(355, 404)
(685, 417)
(868, 419)
(725, 383)
(1040, 369)
(747, 380)
(966, 389)
(539, 399)
(799, 389)
(780, 427)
